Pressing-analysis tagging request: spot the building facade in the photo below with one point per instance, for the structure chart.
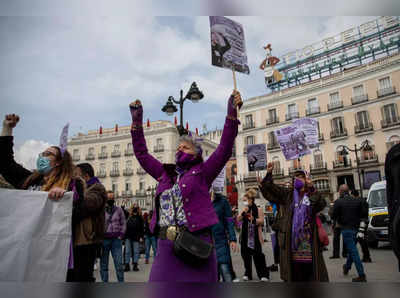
(357, 104)
(111, 155)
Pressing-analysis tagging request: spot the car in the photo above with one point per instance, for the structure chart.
(378, 226)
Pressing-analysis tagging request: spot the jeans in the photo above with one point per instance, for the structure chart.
(349, 237)
(150, 241)
(135, 254)
(115, 246)
(225, 271)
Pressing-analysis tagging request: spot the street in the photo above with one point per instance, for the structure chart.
(384, 267)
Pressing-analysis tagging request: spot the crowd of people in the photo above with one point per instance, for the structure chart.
(192, 229)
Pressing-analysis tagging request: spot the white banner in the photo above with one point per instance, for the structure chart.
(35, 236)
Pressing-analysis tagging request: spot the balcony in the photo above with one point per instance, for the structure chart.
(394, 121)
(103, 155)
(271, 121)
(313, 111)
(90, 156)
(141, 193)
(291, 116)
(158, 148)
(248, 125)
(114, 173)
(370, 159)
(116, 154)
(76, 158)
(339, 165)
(126, 194)
(129, 152)
(335, 105)
(386, 91)
(101, 174)
(359, 99)
(140, 171)
(128, 172)
(278, 173)
(365, 127)
(273, 146)
(338, 133)
(318, 168)
(323, 188)
(292, 170)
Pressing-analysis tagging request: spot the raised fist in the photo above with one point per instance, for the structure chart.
(10, 120)
(235, 100)
(136, 112)
(270, 167)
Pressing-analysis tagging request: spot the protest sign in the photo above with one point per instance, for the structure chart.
(310, 128)
(64, 138)
(228, 48)
(35, 236)
(292, 142)
(256, 157)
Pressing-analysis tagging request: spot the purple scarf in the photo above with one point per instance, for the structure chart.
(301, 213)
(92, 181)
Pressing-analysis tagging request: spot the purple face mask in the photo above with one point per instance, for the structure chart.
(182, 159)
(298, 184)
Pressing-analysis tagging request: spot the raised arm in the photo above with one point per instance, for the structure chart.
(214, 165)
(147, 161)
(13, 173)
(272, 192)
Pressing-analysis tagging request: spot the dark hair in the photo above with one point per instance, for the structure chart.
(355, 192)
(86, 168)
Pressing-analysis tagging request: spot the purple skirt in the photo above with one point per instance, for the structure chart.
(168, 268)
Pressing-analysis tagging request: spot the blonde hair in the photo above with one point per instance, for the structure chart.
(251, 194)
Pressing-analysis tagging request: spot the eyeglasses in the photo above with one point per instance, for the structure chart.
(46, 154)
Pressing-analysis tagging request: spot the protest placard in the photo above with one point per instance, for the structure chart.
(292, 142)
(256, 157)
(310, 128)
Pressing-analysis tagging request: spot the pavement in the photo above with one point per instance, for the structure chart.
(384, 266)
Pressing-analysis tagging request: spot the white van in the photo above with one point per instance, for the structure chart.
(378, 227)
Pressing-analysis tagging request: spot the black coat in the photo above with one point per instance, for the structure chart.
(134, 228)
(348, 212)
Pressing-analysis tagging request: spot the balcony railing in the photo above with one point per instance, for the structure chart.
(368, 159)
(338, 133)
(140, 171)
(313, 111)
(271, 121)
(319, 167)
(114, 173)
(90, 156)
(335, 105)
(292, 170)
(116, 154)
(158, 148)
(337, 164)
(129, 152)
(126, 193)
(128, 172)
(323, 187)
(278, 173)
(386, 91)
(101, 174)
(273, 146)
(291, 116)
(359, 99)
(140, 193)
(390, 122)
(248, 125)
(103, 155)
(76, 158)
(363, 128)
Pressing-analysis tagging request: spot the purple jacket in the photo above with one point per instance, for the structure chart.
(194, 183)
(116, 225)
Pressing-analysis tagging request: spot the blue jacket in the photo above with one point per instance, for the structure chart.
(223, 231)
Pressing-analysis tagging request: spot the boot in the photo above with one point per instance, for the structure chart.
(345, 270)
(361, 278)
(135, 267)
(127, 268)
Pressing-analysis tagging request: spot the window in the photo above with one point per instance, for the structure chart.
(338, 125)
(390, 113)
(272, 114)
(362, 119)
(312, 104)
(249, 120)
(116, 147)
(159, 142)
(272, 138)
(358, 90)
(103, 149)
(277, 163)
(368, 154)
(115, 166)
(292, 109)
(129, 164)
(129, 147)
(249, 140)
(141, 184)
(114, 187)
(128, 186)
(102, 167)
(318, 160)
(75, 152)
(334, 98)
(321, 184)
(384, 83)
(91, 151)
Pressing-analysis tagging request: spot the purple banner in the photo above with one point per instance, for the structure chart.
(292, 142)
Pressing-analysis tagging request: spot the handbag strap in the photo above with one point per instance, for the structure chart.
(174, 206)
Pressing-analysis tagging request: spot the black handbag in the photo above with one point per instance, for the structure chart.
(190, 248)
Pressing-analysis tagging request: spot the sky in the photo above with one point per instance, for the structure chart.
(86, 69)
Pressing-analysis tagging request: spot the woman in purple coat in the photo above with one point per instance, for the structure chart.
(184, 187)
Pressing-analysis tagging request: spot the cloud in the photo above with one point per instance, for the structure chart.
(27, 153)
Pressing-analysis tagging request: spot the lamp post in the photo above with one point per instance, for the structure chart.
(364, 146)
(151, 191)
(194, 94)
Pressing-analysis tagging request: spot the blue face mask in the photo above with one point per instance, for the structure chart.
(43, 165)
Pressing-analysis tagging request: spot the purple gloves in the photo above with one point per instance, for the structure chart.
(136, 113)
(232, 111)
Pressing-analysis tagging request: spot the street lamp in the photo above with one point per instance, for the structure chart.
(194, 94)
(151, 191)
(364, 146)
